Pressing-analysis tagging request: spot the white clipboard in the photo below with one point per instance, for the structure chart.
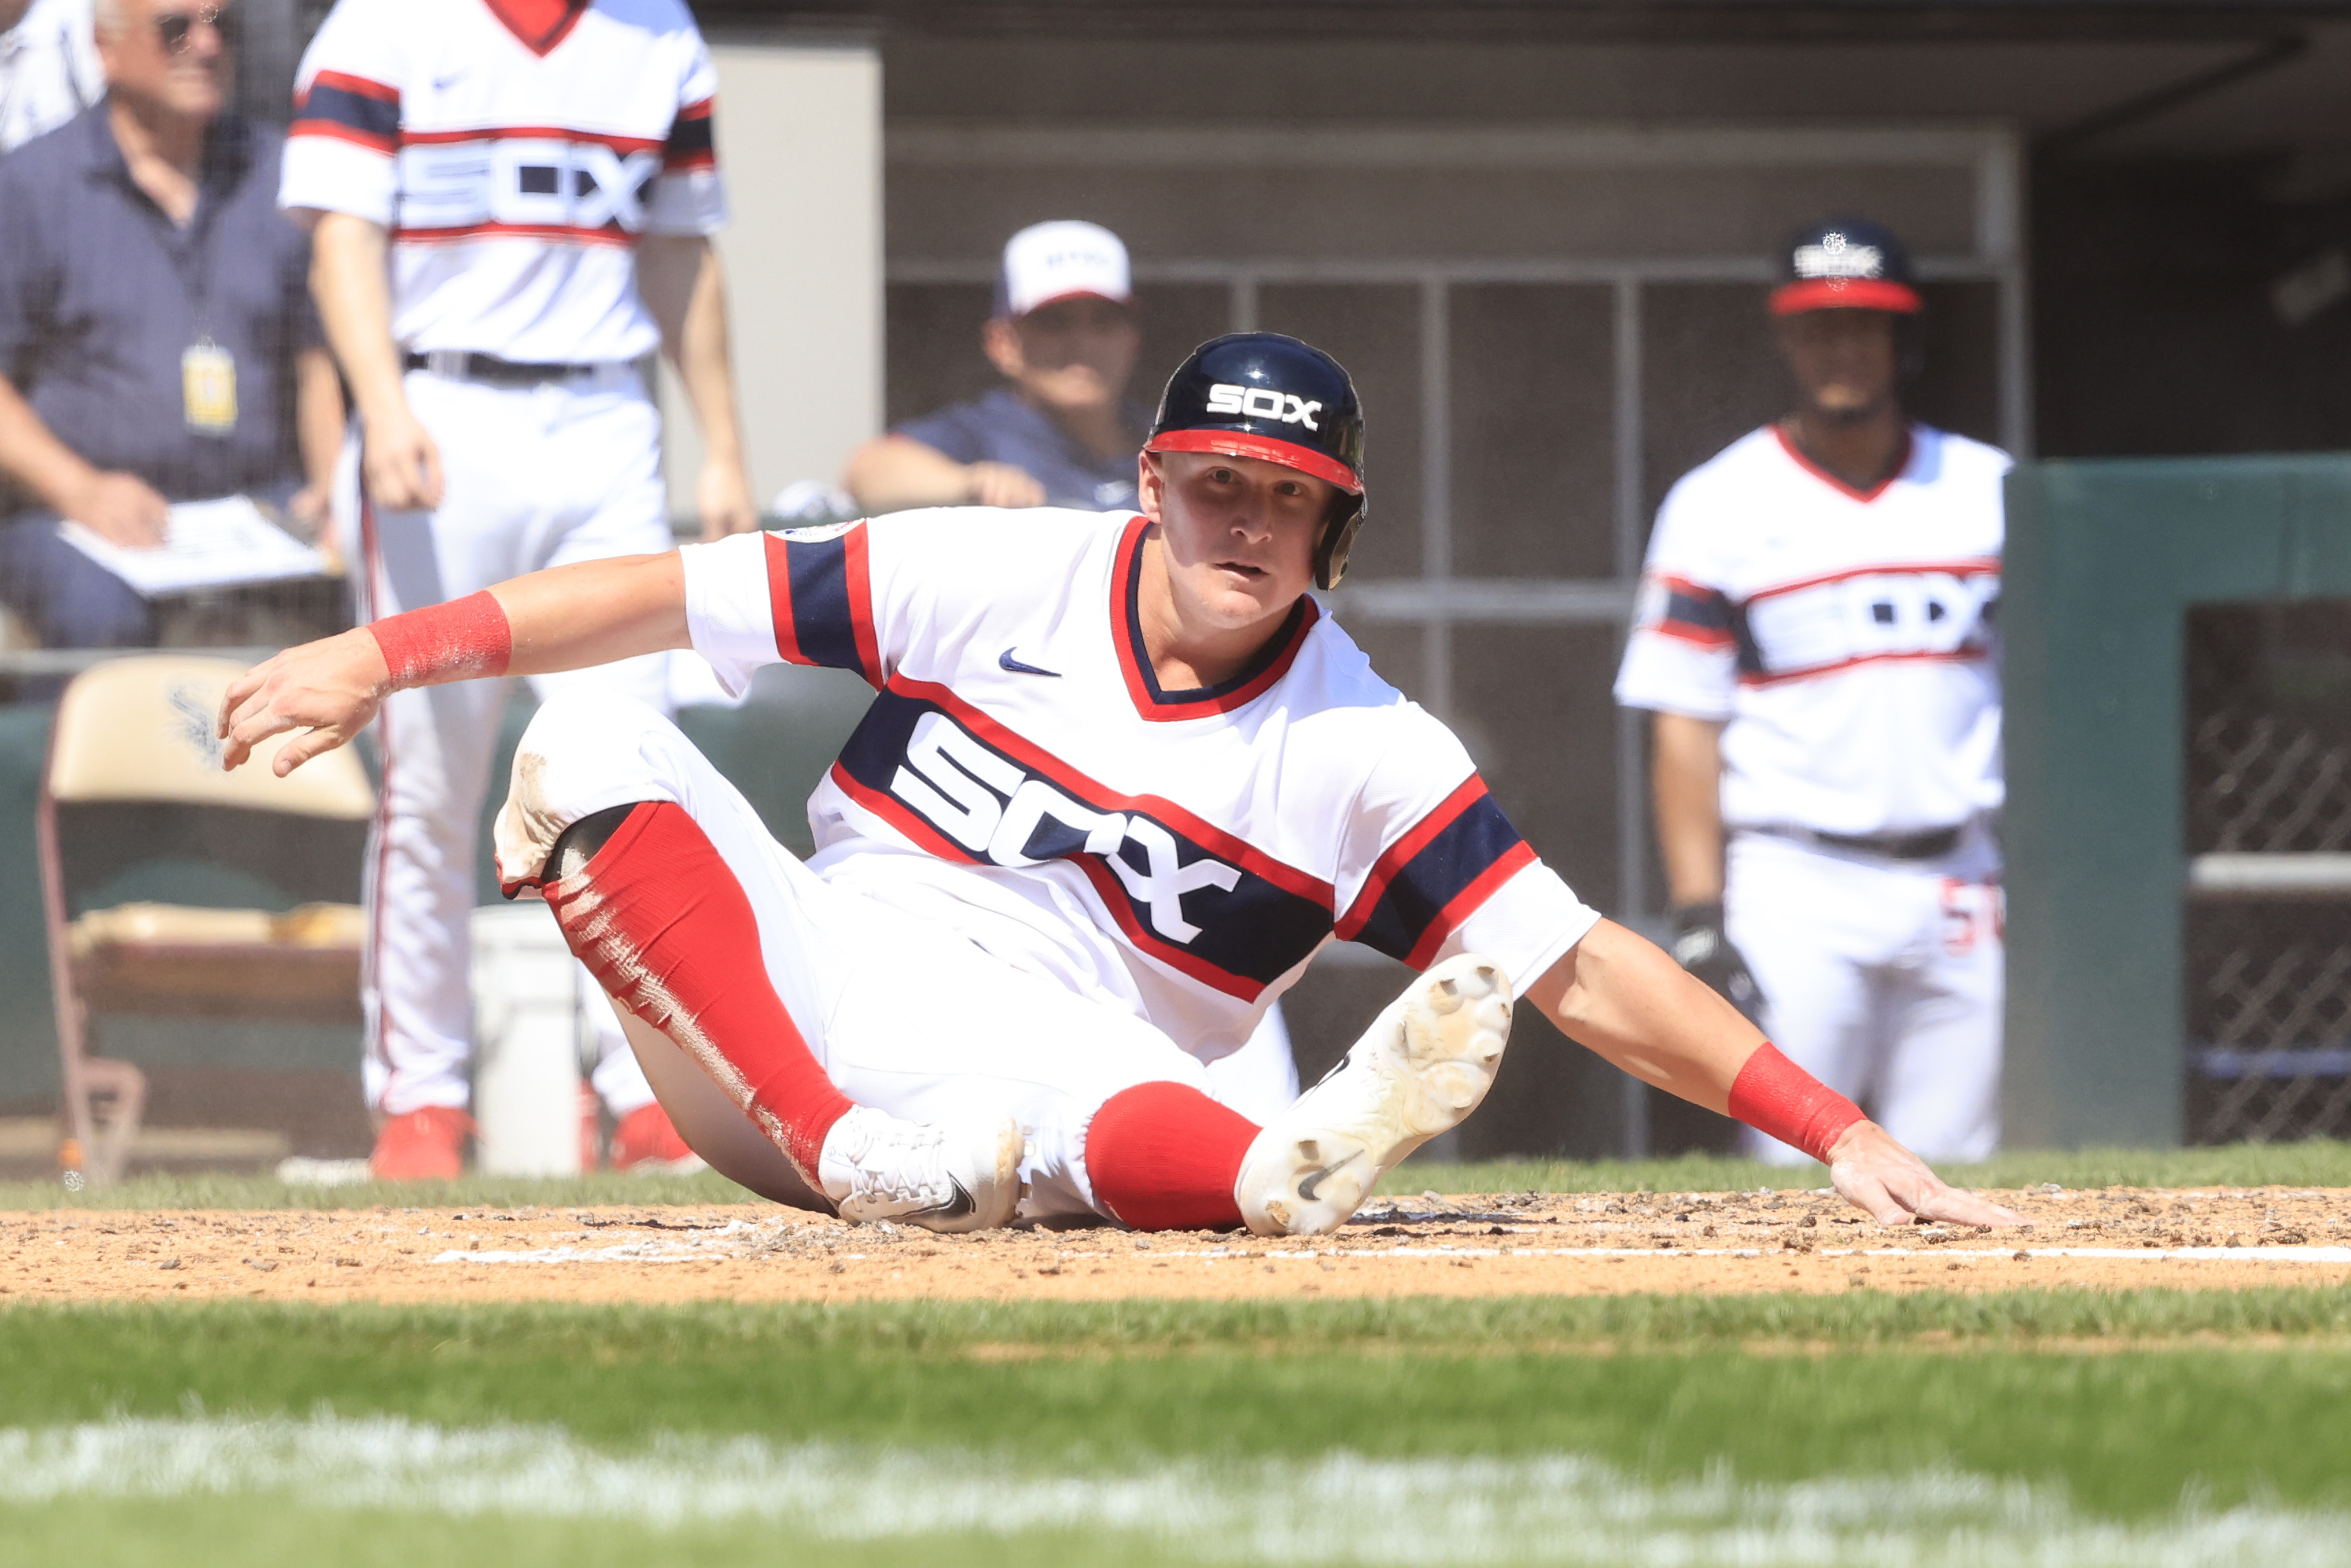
(207, 544)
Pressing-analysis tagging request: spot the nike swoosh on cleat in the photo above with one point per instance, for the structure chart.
(1314, 1179)
(1005, 661)
(956, 1208)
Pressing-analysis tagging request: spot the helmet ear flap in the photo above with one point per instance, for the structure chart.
(1338, 538)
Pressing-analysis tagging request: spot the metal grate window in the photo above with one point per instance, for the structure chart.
(2268, 920)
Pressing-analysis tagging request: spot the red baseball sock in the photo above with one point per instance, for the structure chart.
(658, 917)
(1163, 1156)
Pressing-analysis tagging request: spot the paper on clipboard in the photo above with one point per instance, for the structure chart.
(207, 544)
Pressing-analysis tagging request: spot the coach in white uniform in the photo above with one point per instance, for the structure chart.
(512, 200)
(1817, 639)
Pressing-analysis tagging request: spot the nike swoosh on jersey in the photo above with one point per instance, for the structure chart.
(1005, 661)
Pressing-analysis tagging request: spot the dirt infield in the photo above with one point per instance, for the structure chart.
(1479, 1245)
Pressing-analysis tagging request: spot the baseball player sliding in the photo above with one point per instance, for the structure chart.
(1119, 782)
(511, 200)
(1818, 641)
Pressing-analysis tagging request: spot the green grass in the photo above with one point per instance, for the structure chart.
(2318, 1163)
(1678, 1391)
(232, 1532)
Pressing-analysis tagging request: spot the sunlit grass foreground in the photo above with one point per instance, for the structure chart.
(1334, 1507)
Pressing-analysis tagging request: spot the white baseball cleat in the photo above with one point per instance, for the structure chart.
(961, 1176)
(1419, 1071)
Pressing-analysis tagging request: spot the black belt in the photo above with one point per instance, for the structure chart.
(1927, 844)
(490, 368)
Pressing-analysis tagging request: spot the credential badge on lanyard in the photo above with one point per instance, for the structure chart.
(208, 387)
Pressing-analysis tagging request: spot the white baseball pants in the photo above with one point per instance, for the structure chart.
(1882, 978)
(534, 476)
(905, 1015)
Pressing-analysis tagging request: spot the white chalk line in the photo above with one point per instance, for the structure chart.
(1337, 1508)
(721, 1245)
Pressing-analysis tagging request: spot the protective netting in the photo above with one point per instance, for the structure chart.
(2268, 978)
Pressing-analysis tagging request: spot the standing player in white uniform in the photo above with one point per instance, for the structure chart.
(512, 202)
(1120, 781)
(1818, 641)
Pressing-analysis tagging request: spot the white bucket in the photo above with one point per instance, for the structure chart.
(527, 1022)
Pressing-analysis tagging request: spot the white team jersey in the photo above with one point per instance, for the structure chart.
(1849, 638)
(48, 70)
(1022, 778)
(517, 151)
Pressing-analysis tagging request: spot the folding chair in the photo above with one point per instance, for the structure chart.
(133, 772)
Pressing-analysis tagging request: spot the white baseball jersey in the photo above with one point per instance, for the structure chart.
(1849, 637)
(48, 70)
(1022, 779)
(516, 149)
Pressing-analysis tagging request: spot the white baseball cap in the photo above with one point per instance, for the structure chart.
(1060, 260)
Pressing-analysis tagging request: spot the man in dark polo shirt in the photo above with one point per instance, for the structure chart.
(1061, 432)
(157, 341)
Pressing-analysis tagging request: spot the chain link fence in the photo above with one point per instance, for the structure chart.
(2268, 925)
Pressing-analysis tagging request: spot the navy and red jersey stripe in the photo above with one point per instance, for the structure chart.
(1695, 613)
(1160, 705)
(1269, 919)
(821, 592)
(692, 144)
(350, 109)
(1436, 876)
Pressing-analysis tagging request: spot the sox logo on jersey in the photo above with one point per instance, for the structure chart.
(985, 802)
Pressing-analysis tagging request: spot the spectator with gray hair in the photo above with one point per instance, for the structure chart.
(156, 340)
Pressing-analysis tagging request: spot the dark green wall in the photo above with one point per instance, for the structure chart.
(2103, 561)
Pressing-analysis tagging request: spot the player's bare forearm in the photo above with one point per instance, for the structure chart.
(685, 287)
(896, 473)
(594, 611)
(348, 279)
(401, 467)
(565, 618)
(1686, 777)
(1631, 1004)
(317, 415)
(1628, 1002)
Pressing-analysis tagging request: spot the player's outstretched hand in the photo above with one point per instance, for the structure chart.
(328, 689)
(1871, 1171)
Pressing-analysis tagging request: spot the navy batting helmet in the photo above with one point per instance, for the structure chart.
(1846, 263)
(1260, 394)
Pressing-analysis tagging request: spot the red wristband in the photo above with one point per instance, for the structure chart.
(454, 642)
(1772, 1094)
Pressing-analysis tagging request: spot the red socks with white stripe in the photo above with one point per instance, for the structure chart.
(1164, 1156)
(659, 919)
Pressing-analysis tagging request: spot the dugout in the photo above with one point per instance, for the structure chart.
(2179, 686)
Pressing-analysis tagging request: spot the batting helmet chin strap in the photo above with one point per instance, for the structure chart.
(1338, 538)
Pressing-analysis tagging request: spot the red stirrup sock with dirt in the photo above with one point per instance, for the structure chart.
(1164, 1156)
(1773, 1095)
(658, 917)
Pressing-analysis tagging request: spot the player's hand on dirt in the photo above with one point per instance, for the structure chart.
(724, 496)
(121, 508)
(1871, 1171)
(1706, 955)
(1002, 484)
(330, 690)
(400, 461)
